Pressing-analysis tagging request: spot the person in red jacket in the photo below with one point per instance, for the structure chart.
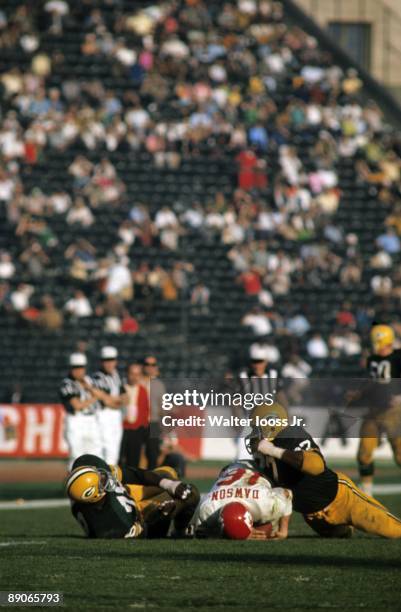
(136, 418)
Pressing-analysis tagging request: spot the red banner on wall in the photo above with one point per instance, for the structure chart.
(32, 430)
(36, 431)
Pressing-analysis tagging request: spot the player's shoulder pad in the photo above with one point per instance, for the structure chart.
(292, 437)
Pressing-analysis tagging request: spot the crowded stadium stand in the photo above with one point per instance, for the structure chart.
(190, 179)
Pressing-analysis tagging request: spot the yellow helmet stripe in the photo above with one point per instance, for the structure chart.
(77, 473)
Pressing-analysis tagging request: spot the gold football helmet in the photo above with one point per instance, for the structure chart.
(381, 336)
(266, 422)
(88, 484)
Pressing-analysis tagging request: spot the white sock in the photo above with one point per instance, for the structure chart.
(169, 485)
(367, 487)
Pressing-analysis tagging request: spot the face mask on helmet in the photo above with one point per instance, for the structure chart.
(252, 440)
(108, 481)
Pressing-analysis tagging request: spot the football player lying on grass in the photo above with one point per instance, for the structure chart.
(331, 503)
(243, 505)
(110, 502)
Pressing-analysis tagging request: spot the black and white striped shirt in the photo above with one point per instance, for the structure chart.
(70, 388)
(268, 383)
(110, 383)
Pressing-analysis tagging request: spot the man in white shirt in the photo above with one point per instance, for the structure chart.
(78, 306)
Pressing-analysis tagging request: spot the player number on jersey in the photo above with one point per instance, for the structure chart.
(305, 445)
(381, 369)
(127, 503)
(236, 475)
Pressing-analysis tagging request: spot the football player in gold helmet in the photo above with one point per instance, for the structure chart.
(383, 397)
(110, 502)
(330, 501)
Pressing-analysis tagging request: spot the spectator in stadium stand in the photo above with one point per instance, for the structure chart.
(343, 342)
(389, 241)
(214, 106)
(251, 282)
(50, 317)
(7, 268)
(251, 174)
(129, 325)
(78, 306)
(294, 372)
(297, 325)
(80, 214)
(259, 321)
(345, 317)
(136, 417)
(200, 299)
(156, 389)
(296, 367)
(35, 260)
(5, 304)
(317, 347)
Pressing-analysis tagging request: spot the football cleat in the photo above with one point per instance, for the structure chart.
(87, 484)
(236, 521)
(381, 337)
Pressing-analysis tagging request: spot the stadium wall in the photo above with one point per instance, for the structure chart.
(384, 19)
(35, 431)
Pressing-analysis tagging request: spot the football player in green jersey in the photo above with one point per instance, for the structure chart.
(110, 502)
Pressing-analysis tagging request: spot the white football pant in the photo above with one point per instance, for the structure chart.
(111, 431)
(82, 434)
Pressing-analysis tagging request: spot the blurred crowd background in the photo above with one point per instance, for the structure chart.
(199, 178)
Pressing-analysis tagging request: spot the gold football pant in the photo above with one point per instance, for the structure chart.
(143, 495)
(389, 422)
(351, 507)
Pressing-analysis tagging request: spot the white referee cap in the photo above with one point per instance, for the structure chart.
(78, 360)
(258, 353)
(108, 352)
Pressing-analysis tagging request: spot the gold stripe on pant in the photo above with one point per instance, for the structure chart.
(353, 507)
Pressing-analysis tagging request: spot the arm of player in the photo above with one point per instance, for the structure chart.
(282, 532)
(310, 461)
(78, 404)
(111, 401)
(176, 488)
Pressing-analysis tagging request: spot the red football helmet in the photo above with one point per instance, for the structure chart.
(236, 521)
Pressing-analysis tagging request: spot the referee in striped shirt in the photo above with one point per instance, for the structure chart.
(259, 377)
(108, 380)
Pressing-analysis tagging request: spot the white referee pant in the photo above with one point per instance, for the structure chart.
(82, 434)
(111, 432)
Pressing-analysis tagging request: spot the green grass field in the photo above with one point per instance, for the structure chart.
(43, 549)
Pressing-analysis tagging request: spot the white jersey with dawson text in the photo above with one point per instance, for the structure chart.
(241, 482)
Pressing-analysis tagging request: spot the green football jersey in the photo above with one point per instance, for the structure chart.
(111, 517)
